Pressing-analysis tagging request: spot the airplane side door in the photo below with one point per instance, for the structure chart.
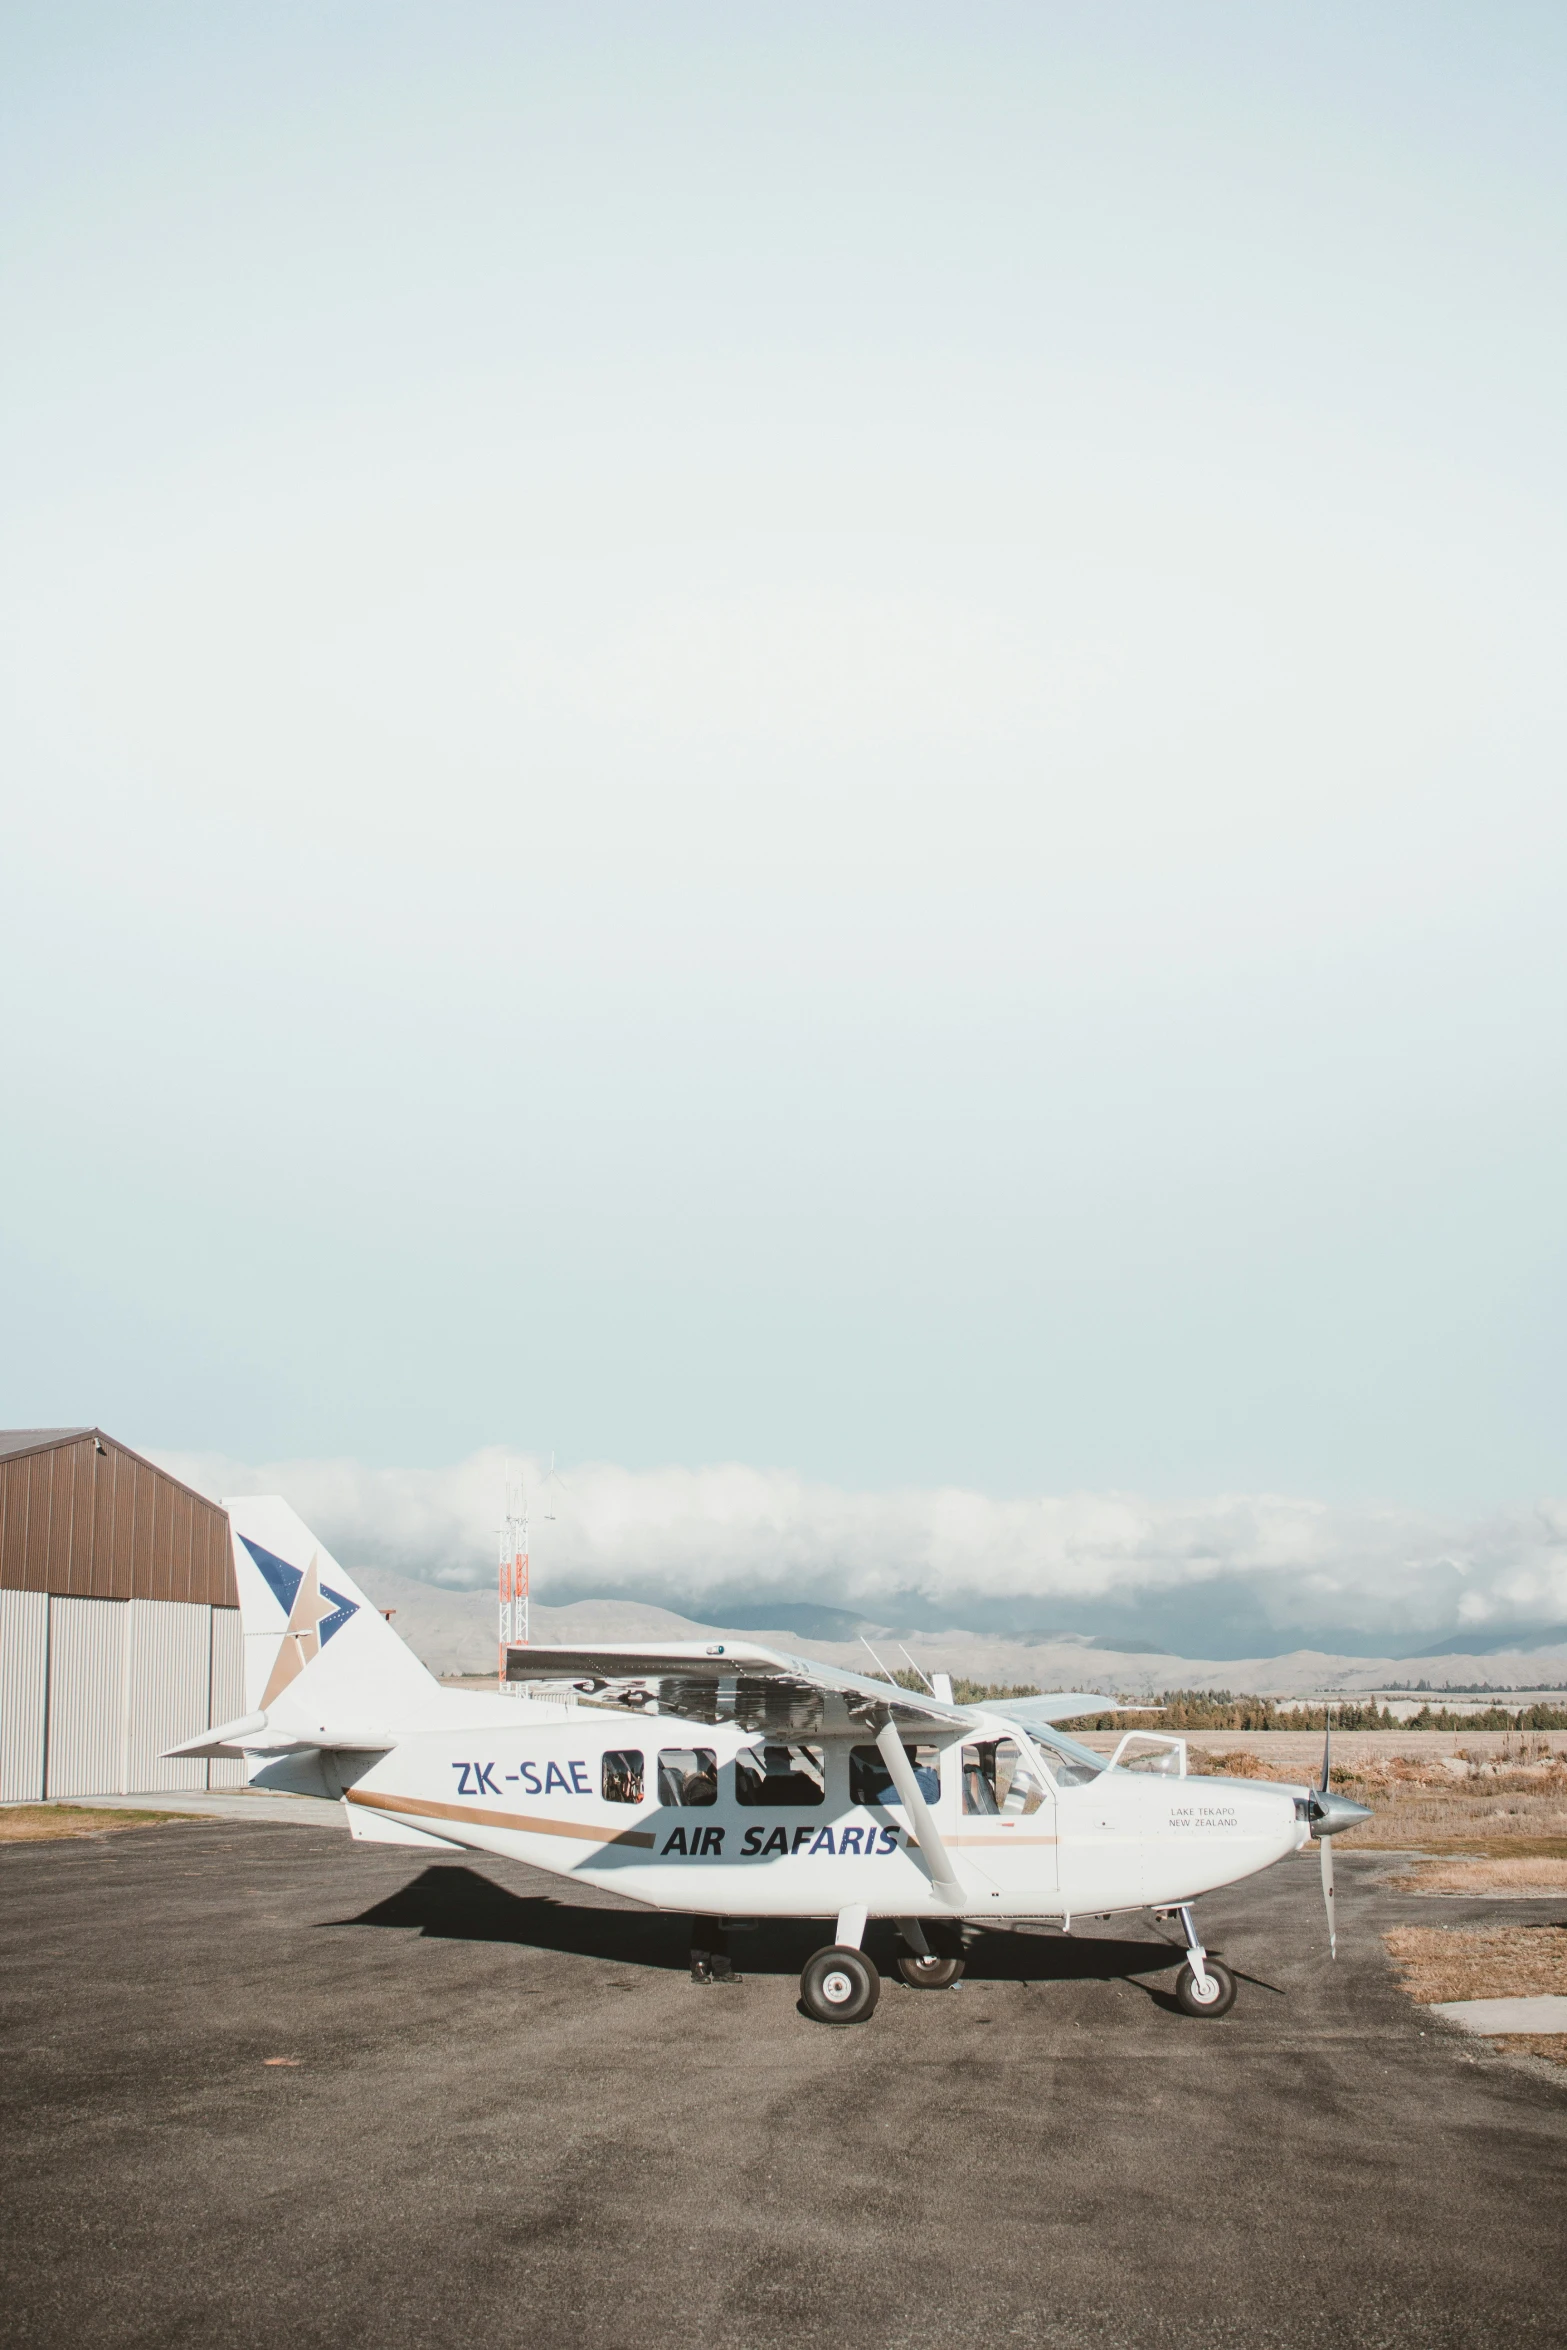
(1007, 1832)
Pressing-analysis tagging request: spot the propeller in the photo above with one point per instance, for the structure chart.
(1328, 1814)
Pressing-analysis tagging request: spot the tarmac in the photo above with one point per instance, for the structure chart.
(264, 2086)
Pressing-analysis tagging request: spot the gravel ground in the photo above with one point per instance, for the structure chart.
(511, 2118)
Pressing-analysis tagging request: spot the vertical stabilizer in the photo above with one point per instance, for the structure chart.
(313, 1641)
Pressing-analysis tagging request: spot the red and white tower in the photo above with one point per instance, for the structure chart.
(514, 1575)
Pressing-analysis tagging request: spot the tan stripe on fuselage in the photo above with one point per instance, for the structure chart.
(416, 1807)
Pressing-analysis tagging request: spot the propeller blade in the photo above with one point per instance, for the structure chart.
(1326, 1843)
(1327, 1751)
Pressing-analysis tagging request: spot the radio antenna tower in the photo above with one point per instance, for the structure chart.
(515, 1575)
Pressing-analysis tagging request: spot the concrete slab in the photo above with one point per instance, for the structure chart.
(1544, 2013)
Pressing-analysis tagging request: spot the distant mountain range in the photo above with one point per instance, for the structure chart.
(454, 1632)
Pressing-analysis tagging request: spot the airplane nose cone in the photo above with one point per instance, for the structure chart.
(1331, 1814)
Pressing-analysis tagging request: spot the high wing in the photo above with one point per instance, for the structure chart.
(767, 1689)
(1066, 1705)
(736, 1681)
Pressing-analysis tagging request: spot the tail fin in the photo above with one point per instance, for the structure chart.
(314, 1644)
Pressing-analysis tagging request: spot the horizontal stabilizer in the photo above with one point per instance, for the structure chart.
(261, 1734)
(223, 1738)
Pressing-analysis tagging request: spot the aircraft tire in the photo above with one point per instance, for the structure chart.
(839, 1986)
(930, 1974)
(1221, 1997)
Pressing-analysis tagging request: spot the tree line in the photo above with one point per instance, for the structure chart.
(1224, 1709)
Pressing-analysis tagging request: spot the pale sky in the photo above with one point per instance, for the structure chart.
(822, 736)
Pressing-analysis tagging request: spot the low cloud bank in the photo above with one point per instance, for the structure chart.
(1243, 1575)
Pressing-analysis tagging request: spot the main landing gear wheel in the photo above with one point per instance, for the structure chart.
(1215, 1997)
(930, 1974)
(839, 1986)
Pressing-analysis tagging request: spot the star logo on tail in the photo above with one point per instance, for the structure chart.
(314, 1615)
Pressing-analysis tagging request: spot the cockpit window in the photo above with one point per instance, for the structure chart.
(979, 1789)
(1070, 1765)
(687, 1775)
(1000, 1781)
(870, 1781)
(780, 1775)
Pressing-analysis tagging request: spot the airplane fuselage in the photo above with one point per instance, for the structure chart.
(712, 1819)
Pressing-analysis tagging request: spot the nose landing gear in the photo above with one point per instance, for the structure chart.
(1203, 1986)
(1214, 1995)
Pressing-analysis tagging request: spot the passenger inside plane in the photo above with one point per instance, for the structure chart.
(622, 1780)
(687, 1775)
(780, 1775)
(870, 1781)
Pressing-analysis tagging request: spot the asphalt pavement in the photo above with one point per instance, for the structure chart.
(511, 2118)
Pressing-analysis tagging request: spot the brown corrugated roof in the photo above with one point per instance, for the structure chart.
(37, 1439)
(85, 1517)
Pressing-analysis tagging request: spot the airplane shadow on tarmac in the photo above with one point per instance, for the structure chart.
(449, 1903)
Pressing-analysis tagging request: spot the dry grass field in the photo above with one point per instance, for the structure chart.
(34, 1823)
(1486, 1962)
(1551, 2045)
(1498, 1803)
(1480, 1962)
(1518, 1876)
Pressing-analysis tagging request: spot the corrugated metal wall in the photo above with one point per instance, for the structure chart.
(89, 1520)
(227, 1702)
(93, 1690)
(24, 1694)
(87, 1661)
(169, 1674)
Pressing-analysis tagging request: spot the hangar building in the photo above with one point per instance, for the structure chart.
(119, 1620)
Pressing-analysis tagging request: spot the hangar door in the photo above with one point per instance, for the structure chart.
(86, 1695)
(24, 1684)
(93, 1690)
(168, 1671)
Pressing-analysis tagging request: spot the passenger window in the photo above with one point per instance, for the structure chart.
(998, 1782)
(870, 1781)
(780, 1775)
(622, 1780)
(687, 1775)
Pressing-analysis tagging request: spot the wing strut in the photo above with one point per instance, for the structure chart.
(943, 1876)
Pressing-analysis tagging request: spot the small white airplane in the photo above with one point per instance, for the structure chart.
(732, 1783)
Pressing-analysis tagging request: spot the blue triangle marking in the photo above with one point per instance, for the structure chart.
(345, 1608)
(282, 1580)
